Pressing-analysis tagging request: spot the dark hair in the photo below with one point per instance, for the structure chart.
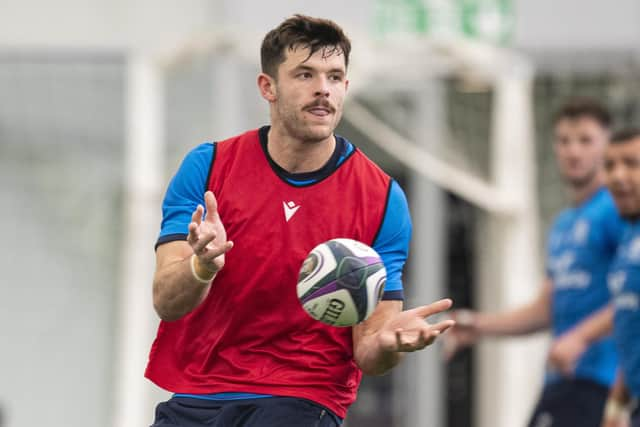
(584, 107)
(625, 135)
(305, 32)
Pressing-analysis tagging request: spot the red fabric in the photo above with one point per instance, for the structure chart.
(251, 334)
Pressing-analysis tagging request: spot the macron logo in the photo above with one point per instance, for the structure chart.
(290, 208)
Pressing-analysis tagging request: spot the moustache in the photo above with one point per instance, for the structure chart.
(322, 104)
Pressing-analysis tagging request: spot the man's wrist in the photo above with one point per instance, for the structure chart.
(199, 272)
(583, 334)
(466, 318)
(615, 409)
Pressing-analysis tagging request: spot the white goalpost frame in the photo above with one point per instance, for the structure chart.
(510, 371)
(134, 397)
(507, 269)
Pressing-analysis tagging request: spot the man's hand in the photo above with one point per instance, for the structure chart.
(464, 334)
(565, 352)
(380, 341)
(184, 270)
(409, 331)
(616, 422)
(208, 238)
(616, 414)
(567, 349)
(617, 410)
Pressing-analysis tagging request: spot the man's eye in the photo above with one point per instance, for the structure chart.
(632, 163)
(608, 165)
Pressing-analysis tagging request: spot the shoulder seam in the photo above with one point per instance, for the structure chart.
(384, 211)
(213, 157)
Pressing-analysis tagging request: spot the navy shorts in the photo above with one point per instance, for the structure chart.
(261, 412)
(635, 414)
(570, 403)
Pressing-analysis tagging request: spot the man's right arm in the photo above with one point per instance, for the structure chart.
(532, 317)
(176, 290)
(185, 269)
(527, 319)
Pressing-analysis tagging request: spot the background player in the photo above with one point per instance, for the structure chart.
(239, 350)
(573, 299)
(623, 179)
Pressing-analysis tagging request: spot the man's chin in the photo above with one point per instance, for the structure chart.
(630, 213)
(318, 133)
(579, 181)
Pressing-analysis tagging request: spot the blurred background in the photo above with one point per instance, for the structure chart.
(100, 100)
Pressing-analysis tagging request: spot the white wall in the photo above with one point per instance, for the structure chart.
(114, 24)
(582, 24)
(147, 23)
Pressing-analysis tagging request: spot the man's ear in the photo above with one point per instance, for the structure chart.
(267, 87)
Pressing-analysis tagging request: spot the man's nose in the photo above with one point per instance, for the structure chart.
(322, 88)
(616, 175)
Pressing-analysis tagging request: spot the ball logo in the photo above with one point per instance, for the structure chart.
(309, 265)
(333, 311)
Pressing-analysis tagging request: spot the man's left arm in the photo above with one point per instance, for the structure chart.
(567, 349)
(380, 341)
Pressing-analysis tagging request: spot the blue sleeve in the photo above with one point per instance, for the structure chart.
(185, 192)
(392, 241)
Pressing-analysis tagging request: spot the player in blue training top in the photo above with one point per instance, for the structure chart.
(623, 179)
(573, 301)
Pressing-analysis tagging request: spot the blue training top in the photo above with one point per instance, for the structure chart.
(624, 284)
(581, 246)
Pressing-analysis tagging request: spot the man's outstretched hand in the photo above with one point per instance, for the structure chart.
(409, 330)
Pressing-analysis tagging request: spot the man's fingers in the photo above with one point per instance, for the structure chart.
(201, 244)
(433, 308)
(410, 342)
(431, 338)
(426, 338)
(212, 253)
(196, 216)
(440, 327)
(399, 338)
(196, 220)
(212, 206)
(192, 237)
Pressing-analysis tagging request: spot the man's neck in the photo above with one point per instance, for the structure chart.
(578, 194)
(297, 156)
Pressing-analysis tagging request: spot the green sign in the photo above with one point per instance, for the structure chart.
(490, 20)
